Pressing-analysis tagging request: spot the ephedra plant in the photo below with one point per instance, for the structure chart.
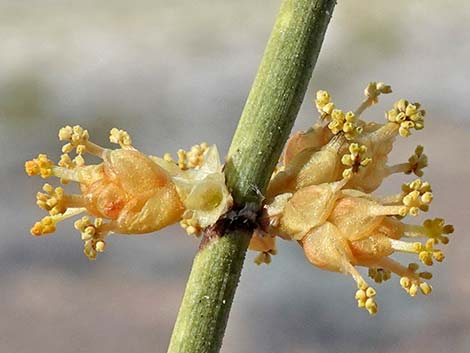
(322, 194)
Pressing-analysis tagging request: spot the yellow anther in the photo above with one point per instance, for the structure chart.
(425, 275)
(425, 288)
(67, 148)
(65, 133)
(405, 282)
(407, 115)
(39, 166)
(182, 159)
(370, 292)
(426, 258)
(361, 295)
(322, 98)
(120, 137)
(89, 249)
(167, 157)
(80, 149)
(100, 246)
(371, 306)
(66, 161)
(79, 160)
(438, 255)
(413, 289)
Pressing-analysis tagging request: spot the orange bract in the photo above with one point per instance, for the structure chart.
(131, 189)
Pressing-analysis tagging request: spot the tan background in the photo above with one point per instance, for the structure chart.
(174, 73)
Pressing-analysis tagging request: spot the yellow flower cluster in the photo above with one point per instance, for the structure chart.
(93, 234)
(39, 166)
(129, 192)
(191, 159)
(354, 160)
(323, 197)
(408, 115)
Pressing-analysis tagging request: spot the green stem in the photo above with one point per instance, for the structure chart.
(264, 127)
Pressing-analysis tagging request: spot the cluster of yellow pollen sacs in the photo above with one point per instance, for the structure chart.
(321, 194)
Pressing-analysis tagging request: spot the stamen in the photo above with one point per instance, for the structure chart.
(365, 297)
(39, 166)
(432, 228)
(416, 163)
(426, 253)
(79, 140)
(93, 234)
(324, 105)
(365, 294)
(190, 224)
(417, 195)
(372, 92)
(379, 275)
(120, 137)
(52, 201)
(407, 116)
(48, 224)
(345, 123)
(410, 280)
(265, 257)
(355, 159)
(193, 159)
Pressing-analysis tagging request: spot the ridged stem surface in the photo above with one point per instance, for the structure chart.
(265, 124)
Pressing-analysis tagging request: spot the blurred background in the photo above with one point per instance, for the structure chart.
(175, 73)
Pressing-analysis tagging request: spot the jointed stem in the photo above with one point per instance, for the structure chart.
(267, 119)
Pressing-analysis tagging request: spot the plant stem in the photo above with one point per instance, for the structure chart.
(264, 127)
